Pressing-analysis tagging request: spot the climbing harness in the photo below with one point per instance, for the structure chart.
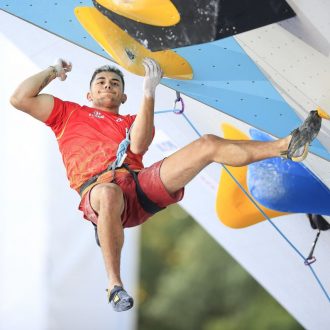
(147, 204)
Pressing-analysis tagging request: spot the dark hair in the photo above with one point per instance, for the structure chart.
(108, 68)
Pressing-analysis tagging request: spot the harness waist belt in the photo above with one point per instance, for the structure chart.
(92, 180)
(147, 204)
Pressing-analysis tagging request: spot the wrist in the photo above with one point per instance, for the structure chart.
(149, 93)
(53, 71)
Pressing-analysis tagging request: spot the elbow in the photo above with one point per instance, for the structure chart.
(139, 146)
(138, 150)
(16, 101)
(19, 102)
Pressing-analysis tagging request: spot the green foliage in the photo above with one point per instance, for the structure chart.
(189, 282)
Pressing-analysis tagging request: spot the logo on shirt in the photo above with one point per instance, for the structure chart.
(96, 114)
(119, 120)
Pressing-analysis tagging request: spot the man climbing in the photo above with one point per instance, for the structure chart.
(103, 151)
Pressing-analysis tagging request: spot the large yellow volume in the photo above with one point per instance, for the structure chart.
(126, 51)
(233, 207)
(153, 12)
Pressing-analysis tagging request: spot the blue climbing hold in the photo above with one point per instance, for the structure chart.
(286, 186)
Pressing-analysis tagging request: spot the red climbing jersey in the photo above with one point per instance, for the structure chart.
(88, 139)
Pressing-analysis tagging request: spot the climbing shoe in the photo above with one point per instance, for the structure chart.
(304, 135)
(119, 299)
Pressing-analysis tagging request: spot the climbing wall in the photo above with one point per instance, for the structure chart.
(229, 81)
(267, 79)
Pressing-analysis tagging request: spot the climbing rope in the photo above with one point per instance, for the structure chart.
(307, 261)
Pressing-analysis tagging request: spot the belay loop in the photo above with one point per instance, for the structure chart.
(178, 99)
(121, 151)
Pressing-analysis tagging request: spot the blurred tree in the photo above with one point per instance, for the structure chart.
(188, 281)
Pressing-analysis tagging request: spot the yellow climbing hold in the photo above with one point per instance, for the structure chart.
(233, 207)
(153, 12)
(323, 114)
(125, 50)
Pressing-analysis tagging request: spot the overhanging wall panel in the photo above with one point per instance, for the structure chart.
(224, 76)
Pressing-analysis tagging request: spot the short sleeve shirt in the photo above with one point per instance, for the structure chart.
(88, 139)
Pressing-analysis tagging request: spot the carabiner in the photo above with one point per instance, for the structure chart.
(178, 99)
(310, 259)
